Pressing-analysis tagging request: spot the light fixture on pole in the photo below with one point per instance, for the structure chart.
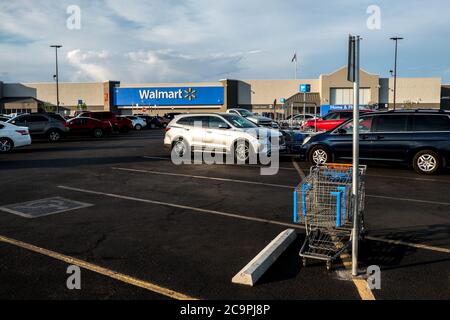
(56, 76)
(396, 39)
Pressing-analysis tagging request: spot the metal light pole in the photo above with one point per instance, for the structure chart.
(395, 69)
(57, 76)
(355, 180)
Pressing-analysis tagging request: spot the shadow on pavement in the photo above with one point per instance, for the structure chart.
(390, 256)
(438, 234)
(287, 266)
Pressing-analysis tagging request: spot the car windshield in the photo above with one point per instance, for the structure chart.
(331, 116)
(239, 122)
(245, 113)
(365, 125)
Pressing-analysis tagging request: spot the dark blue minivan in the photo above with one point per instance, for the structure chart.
(420, 138)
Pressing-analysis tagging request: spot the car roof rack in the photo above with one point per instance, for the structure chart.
(419, 110)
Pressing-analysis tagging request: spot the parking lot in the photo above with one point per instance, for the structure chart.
(185, 231)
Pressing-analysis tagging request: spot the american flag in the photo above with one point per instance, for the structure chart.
(294, 58)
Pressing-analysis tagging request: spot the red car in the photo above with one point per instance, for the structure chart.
(82, 126)
(329, 121)
(124, 124)
(108, 117)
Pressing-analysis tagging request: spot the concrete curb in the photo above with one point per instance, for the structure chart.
(250, 274)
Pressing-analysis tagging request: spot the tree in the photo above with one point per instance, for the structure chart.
(48, 107)
(82, 106)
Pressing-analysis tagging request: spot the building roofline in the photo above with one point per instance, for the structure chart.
(345, 67)
(54, 83)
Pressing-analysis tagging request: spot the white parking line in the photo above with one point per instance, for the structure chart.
(237, 216)
(307, 170)
(157, 158)
(234, 165)
(409, 200)
(178, 206)
(272, 185)
(409, 178)
(202, 177)
(409, 244)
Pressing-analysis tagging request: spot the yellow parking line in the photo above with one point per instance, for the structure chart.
(100, 270)
(361, 285)
(364, 292)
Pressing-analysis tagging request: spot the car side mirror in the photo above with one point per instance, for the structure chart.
(224, 126)
(341, 131)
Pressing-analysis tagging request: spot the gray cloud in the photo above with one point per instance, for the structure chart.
(200, 40)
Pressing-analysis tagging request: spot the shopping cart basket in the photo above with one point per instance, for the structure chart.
(323, 203)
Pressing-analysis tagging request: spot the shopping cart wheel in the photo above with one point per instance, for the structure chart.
(329, 265)
(304, 262)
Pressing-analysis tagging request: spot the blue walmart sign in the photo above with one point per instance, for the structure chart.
(168, 96)
(305, 88)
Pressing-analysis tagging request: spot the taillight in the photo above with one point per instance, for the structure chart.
(23, 132)
(166, 129)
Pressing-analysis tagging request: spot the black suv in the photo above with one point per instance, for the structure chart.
(42, 124)
(420, 138)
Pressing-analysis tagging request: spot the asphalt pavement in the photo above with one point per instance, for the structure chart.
(190, 228)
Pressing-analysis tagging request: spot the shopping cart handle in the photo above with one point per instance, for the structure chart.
(295, 206)
(338, 195)
(305, 188)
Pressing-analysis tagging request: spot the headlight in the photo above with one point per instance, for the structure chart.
(306, 140)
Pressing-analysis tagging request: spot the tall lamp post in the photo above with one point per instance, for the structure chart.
(56, 76)
(395, 69)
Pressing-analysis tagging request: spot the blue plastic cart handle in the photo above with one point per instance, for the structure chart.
(305, 187)
(295, 206)
(343, 190)
(338, 207)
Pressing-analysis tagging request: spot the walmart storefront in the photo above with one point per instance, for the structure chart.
(262, 96)
(160, 98)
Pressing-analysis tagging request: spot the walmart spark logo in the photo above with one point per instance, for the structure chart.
(190, 94)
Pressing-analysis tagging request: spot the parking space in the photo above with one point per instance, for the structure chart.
(190, 228)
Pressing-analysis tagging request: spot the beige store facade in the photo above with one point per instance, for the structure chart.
(261, 96)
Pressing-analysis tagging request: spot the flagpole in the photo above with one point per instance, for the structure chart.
(295, 65)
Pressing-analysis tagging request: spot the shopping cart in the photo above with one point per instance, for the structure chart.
(323, 203)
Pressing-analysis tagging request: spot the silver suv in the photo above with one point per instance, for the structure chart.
(42, 125)
(259, 120)
(220, 133)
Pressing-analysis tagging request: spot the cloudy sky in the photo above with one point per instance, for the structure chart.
(202, 40)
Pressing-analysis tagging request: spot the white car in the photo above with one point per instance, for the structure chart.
(220, 133)
(12, 137)
(138, 123)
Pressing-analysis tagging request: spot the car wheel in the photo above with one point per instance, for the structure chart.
(319, 155)
(6, 145)
(138, 127)
(180, 148)
(54, 135)
(242, 151)
(427, 162)
(98, 133)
